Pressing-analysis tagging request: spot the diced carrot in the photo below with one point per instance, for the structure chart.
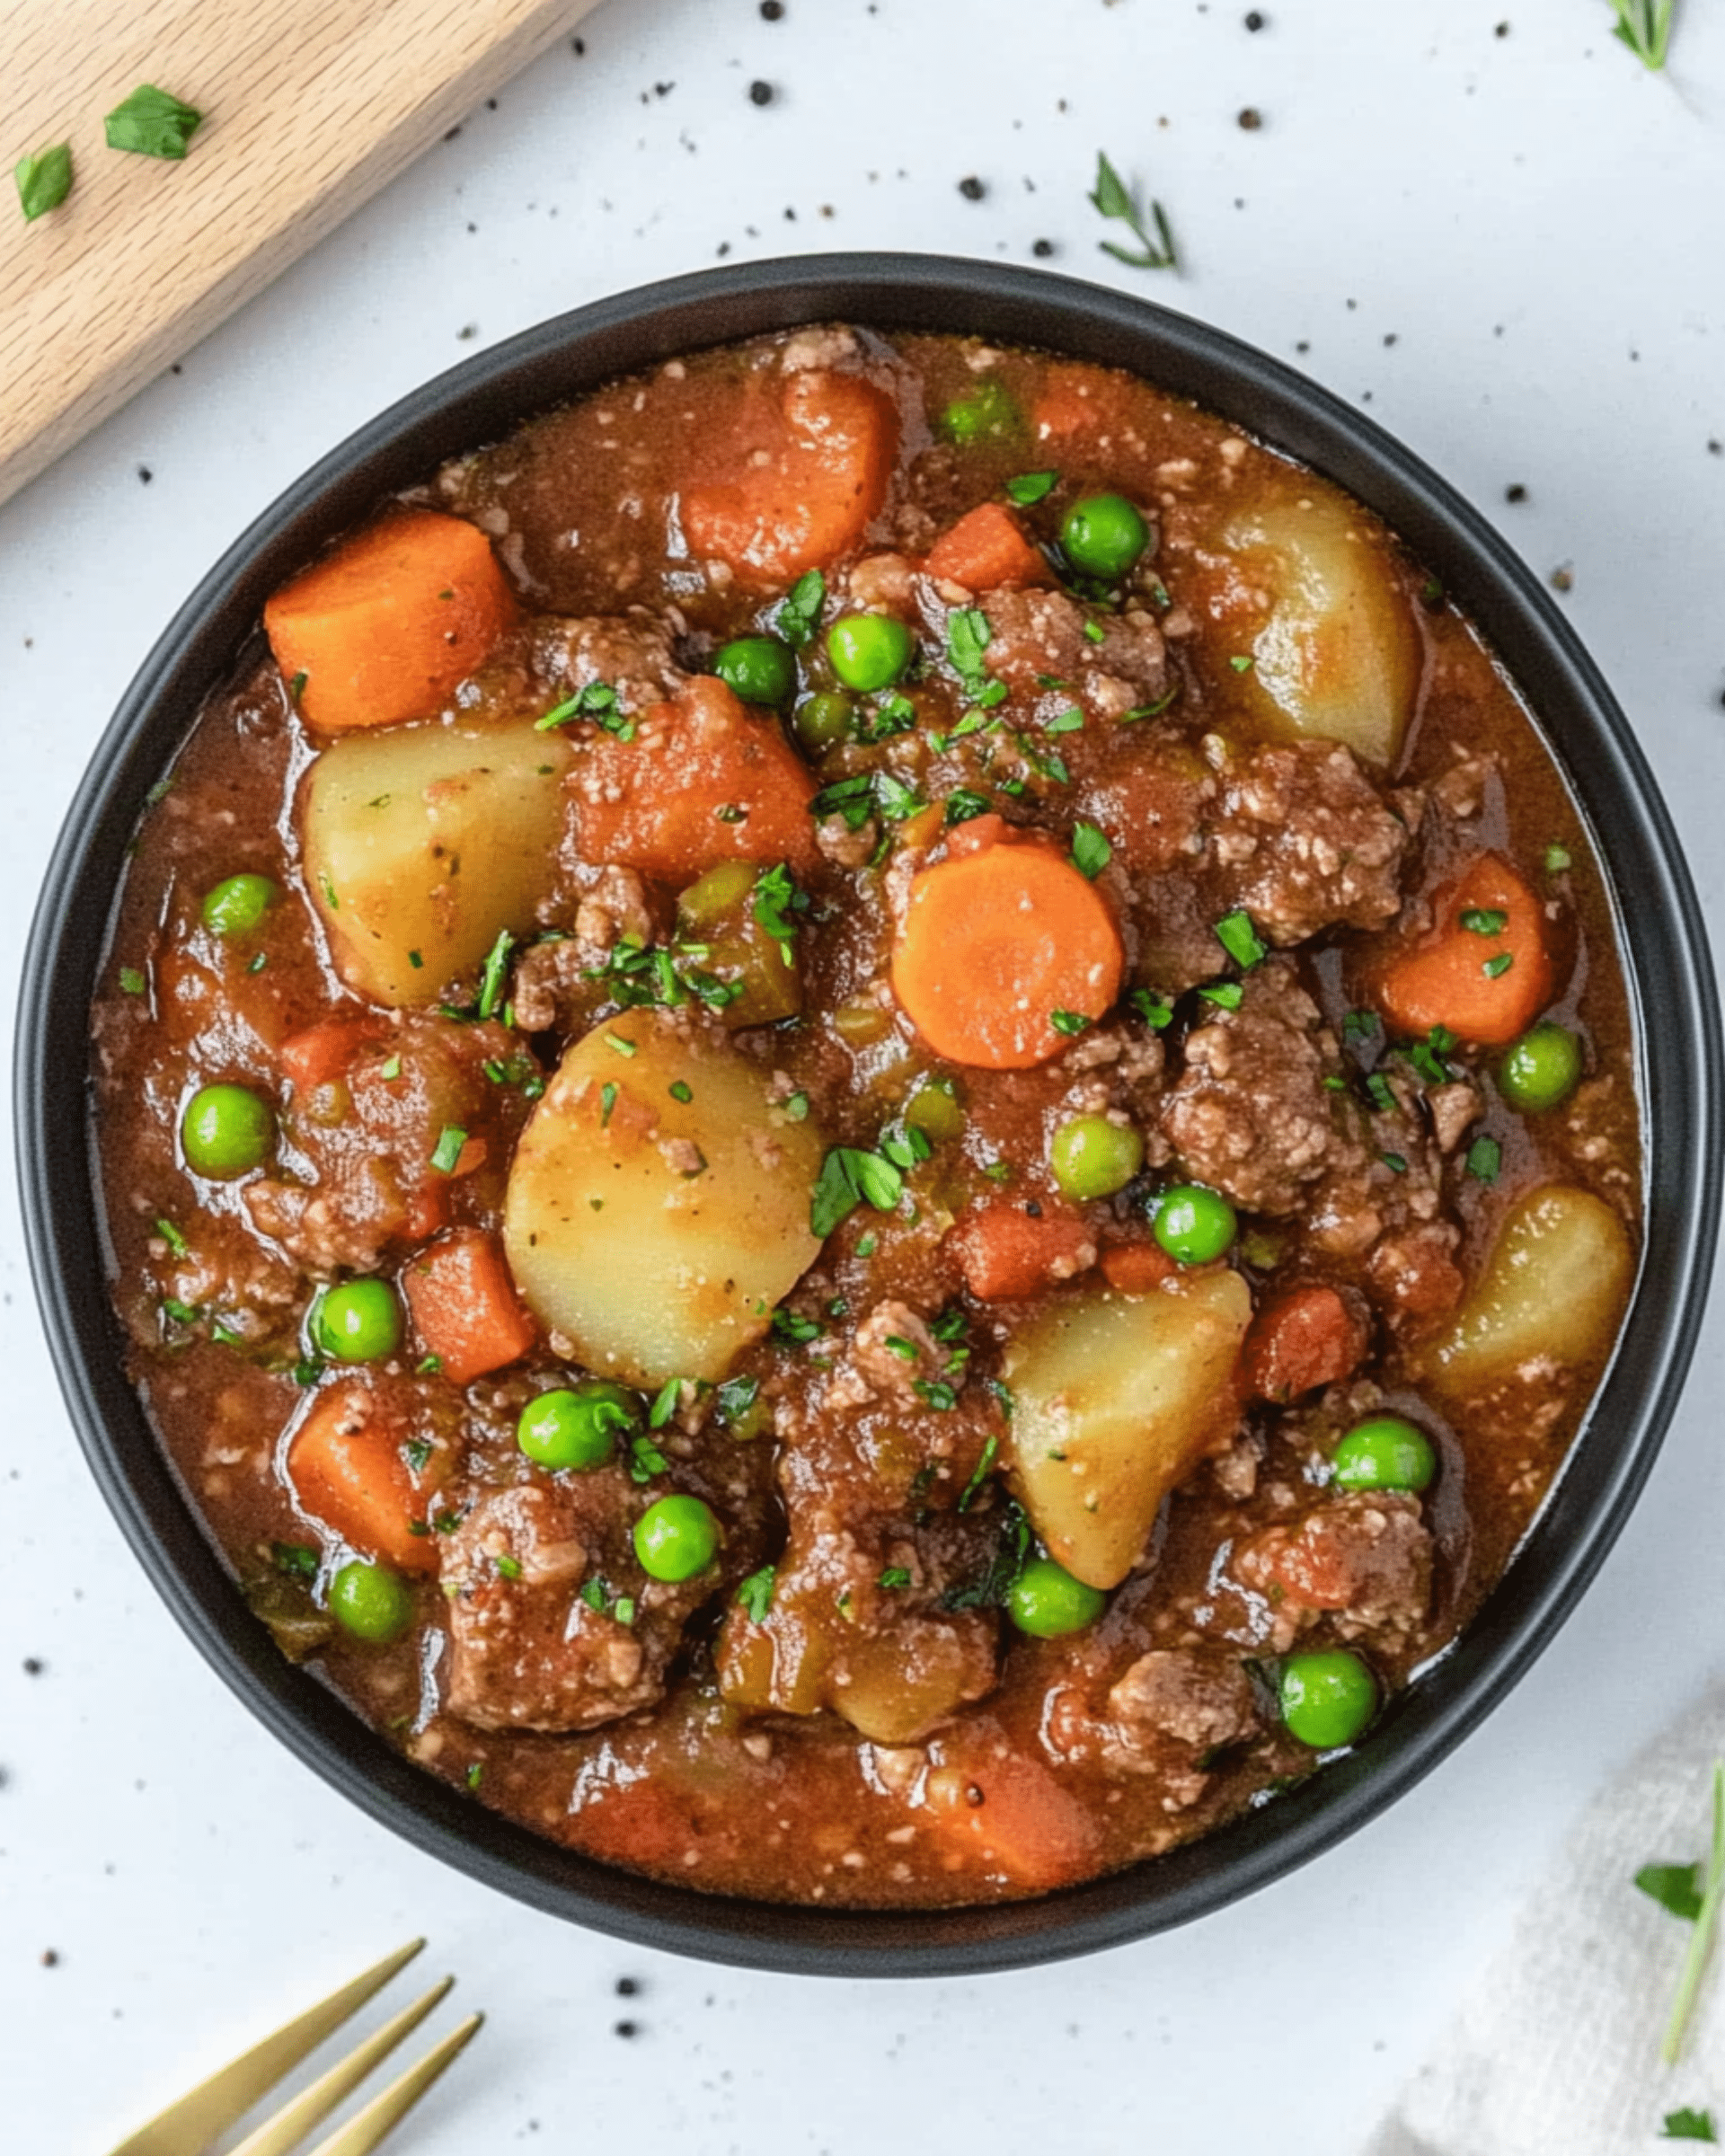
(985, 551)
(1005, 953)
(1005, 1251)
(1136, 1268)
(1486, 969)
(702, 781)
(1303, 1338)
(1077, 401)
(465, 1307)
(1012, 1816)
(325, 1051)
(801, 477)
(347, 1468)
(386, 626)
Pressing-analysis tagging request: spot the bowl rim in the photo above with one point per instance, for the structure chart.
(1672, 996)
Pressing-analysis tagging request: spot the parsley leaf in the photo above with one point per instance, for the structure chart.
(1645, 26)
(1155, 1011)
(491, 983)
(1675, 1887)
(665, 1403)
(43, 181)
(1237, 936)
(448, 1148)
(799, 616)
(1701, 1939)
(1032, 487)
(1091, 852)
(1484, 919)
(776, 898)
(755, 1593)
(894, 1575)
(1069, 1022)
(848, 1178)
(152, 123)
(1494, 968)
(598, 702)
(645, 1460)
(962, 804)
(1225, 995)
(1688, 2125)
(294, 1559)
(979, 1474)
(1484, 1159)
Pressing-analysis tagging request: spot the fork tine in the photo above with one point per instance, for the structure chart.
(366, 2130)
(291, 2123)
(229, 2093)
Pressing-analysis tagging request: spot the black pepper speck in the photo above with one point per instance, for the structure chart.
(467, 332)
(1563, 579)
(625, 2029)
(627, 1986)
(1252, 120)
(1254, 21)
(1042, 249)
(760, 93)
(33, 1666)
(971, 188)
(146, 475)
(1516, 492)
(51, 1959)
(1715, 448)
(1502, 30)
(772, 11)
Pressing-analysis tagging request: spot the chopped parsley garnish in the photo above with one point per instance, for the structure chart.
(1557, 859)
(132, 981)
(776, 899)
(1150, 711)
(1645, 26)
(679, 1088)
(608, 1102)
(491, 983)
(1091, 852)
(790, 1329)
(796, 1108)
(1675, 1887)
(962, 804)
(428, 1366)
(182, 1313)
(939, 1396)
(1688, 2125)
(848, 1178)
(1359, 1025)
(979, 1474)
(1095, 633)
(951, 1325)
(448, 1148)
(1070, 721)
(44, 180)
(1004, 1567)
(1237, 936)
(393, 1069)
(598, 702)
(1155, 1011)
(1383, 1098)
(894, 1575)
(967, 636)
(1241, 662)
(624, 1609)
(799, 616)
(595, 1594)
(645, 1460)
(737, 1396)
(1225, 995)
(1113, 198)
(859, 797)
(174, 1239)
(509, 1566)
(646, 974)
(1484, 919)
(867, 1245)
(1394, 1160)
(906, 1146)
(906, 1350)
(307, 1370)
(415, 960)
(665, 1403)
(416, 1451)
(152, 123)
(1494, 968)
(616, 1042)
(892, 714)
(1427, 1056)
(755, 1593)
(1068, 1022)
(1030, 487)
(259, 959)
(475, 1774)
(296, 1560)
(1701, 1939)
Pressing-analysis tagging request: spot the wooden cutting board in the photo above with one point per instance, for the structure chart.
(310, 106)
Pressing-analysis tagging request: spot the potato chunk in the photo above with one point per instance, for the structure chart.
(1117, 1398)
(1554, 1292)
(422, 842)
(658, 1232)
(1337, 658)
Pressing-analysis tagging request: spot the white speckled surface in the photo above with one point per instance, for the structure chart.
(1510, 244)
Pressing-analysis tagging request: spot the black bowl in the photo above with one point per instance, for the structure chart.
(1671, 984)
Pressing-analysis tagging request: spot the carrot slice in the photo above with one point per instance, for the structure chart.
(464, 1307)
(807, 474)
(985, 551)
(325, 1051)
(347, 1469)
(1136, 1268)
(1004, 954)
(1486, 971)
(386, 627)
(1308, 1336)
(702, 781)
(1012, 1816)
(1005, 1251)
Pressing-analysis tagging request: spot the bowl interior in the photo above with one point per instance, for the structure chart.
(1670, 974)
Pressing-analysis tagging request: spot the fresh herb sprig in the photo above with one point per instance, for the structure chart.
(1645, 26)
(1666, 1884)
(1113, 198)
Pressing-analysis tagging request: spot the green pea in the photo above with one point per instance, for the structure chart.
(358, 1321)
(371, 1602)
(1327, 1696)
(578, 1427)
(869, 651)
(1094, 1158)
(1047, 1602)
(1194, 1226)
(1103, 536)
(984, 412)
(1385, 1453)
(1542, 1068)
(677, 1538)
(235, 907)
(822, 721)
(226, 1130)
(760, 669)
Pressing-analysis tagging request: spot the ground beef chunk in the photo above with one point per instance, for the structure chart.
(631, 653)
(1173, 1710)
(1300, 838)
(1415, 1274)
(527, 1650)
(1042, 633)
(892, 1349)
(551, 989)
(1251, 1115)
(1364, 1558)
(1455, 1109)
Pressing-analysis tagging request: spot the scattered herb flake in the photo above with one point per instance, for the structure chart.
(1688, 2125)
(1069, 1022)
(1484, 1159)
(645, 1460)
(491, 984)
(622, 1047)
(1112, 199)
(448, 1148)
(665, 1403)
(979, 1474)
(1091, 852)
(962, 804)
(295, 1560)
(1237, 936)
(44, 180)
(755, 1593)
(790, 1329)
(1557, 859)
(799, 616)
(1675, 1887)
(1494, 968)
(1241, 662)
(894, 1575)
(848, 1178)
(608, 1102)
(1225, 995)
(1394, 1160)
(1155, 1011)
(1484, 919)
(1701, 1939)
(1030, 487)
(152, 123)
(132, 981)
(174, 1239)
(1644, 26)
(680, 1089)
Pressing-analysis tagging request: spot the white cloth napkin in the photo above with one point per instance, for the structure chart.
(1556, 2050)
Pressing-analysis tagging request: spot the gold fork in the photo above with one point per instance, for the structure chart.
(188, 2127)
